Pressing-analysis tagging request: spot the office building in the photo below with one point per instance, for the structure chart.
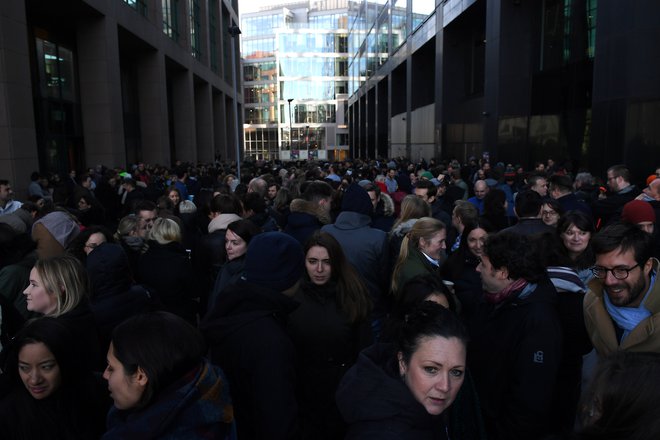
(519, 81)
(295, 78)
(114, 82)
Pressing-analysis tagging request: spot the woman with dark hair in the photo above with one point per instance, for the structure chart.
(495, 210)
(622, 401)
(237, 238)
(47, 392)
(174, 195)
(402, 390)
(422, 250)
(575, 229)
(161, 385)
(461, 268)
(551, 211)
(328, 329)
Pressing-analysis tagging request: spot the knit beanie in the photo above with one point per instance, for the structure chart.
(357, 200)
(274, 260)
(637, 211)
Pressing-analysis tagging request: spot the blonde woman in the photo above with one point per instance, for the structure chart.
(59, 288)
(412, 209)
(422, 252)
(165, 270)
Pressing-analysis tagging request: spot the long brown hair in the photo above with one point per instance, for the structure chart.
(352, 295)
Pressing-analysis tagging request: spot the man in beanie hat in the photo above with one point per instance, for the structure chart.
(246, 334)
(365, 247)
(640, 214)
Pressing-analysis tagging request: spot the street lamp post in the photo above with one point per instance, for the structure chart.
(290, 129)
(234, 31)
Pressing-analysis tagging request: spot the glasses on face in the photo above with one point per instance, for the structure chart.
(91, 246)
(620, 273)
(549, 213)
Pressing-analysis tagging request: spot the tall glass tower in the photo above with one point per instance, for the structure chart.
(295, 79)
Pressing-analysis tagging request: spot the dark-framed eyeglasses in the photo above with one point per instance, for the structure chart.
(620, 273)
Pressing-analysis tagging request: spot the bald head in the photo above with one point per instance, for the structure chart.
(480, 189)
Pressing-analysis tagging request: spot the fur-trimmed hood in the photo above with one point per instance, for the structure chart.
(222, 221)
(388, 204)
(403, 228)
(311, 208)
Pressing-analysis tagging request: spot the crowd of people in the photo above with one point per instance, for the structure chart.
(363, 299)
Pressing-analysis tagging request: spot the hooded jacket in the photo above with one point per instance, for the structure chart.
(376, 404)
(305, 218)
(514, 355)
(246, 334)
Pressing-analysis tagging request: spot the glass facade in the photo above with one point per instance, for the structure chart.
(295, 63)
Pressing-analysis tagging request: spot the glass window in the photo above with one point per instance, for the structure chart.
(171, 18)
(306, 89)
(260, 71)
(260, 48)
(213, 37)
(421, 9)
(256, 94)
(399, 29)
(138, 5)
(195, 29)
(313, 66)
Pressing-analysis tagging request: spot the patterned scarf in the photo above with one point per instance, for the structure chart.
(498, 297)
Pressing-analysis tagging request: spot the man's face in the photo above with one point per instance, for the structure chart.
(441, 190)
(630, 291)
(423, 193)
(147, 219)
(480, 190)
(391, 174)
(653, 190)
(87, 183)
(541, 187)
(272, 192)
(492, 280)
(5, 193)
(613, 181)
(374, 198)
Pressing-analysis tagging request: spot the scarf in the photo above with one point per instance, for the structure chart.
(627, 318)
(498, 297)
(197, 406)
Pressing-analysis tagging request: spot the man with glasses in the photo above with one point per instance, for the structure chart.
(607, 209)
(622, 306)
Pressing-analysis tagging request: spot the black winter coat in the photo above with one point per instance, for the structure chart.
(514, 355)
(327, 345)
(246, 334)
(377, 404)
(166, 270)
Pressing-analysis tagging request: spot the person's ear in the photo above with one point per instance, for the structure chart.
(140, 377)
(402, 364)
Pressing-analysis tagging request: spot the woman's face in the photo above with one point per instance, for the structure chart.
(125, 390)
(435, 372)
(550, 216)
(39, 370)
(435, 245)
(576, 240)
(174, 197)
(476, 240)
(317, 263)
(39, 300)
(234, 245)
